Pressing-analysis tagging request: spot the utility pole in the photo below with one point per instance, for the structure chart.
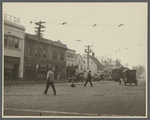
(88, 50)
(39, 33)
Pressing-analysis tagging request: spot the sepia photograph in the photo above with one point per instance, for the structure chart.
(74, 60)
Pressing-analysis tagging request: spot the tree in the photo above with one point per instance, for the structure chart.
(139, 70)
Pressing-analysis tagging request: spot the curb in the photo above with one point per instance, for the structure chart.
(21, 82)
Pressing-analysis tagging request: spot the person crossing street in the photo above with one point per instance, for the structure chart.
(89, 78)
(50, 80)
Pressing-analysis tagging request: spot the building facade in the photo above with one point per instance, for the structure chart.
(70, 65)
(50, 53)
(70, 57)
(110, 65)
(94, 65)
(13, 50)
(80, 63)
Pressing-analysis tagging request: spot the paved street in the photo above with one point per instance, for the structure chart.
(106, 98)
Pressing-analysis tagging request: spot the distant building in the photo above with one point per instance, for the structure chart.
(13, 50)
(94, 65)
(80, 63)
(50, 53)
(110, 65)
(70, 66)
(70, 57)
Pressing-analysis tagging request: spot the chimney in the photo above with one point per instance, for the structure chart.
(93, 54)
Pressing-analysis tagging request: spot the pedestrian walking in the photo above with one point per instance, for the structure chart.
(89, 77)
(50, 80)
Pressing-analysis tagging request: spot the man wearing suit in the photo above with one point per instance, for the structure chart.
(89, 78)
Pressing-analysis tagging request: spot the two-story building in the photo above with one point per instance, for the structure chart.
(49, 53)
(13, 50)
(70, 65)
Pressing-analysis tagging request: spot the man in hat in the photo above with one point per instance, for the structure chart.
(89, 77)
(50, 80)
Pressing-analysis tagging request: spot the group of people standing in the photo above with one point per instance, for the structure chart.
(50, 80)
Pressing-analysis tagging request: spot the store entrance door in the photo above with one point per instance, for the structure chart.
(10, 72)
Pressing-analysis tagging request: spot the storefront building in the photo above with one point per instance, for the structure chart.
(50, 53)
(70, 64)
(13, 50)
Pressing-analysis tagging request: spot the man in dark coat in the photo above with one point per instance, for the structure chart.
(50, 80)
(89, 78)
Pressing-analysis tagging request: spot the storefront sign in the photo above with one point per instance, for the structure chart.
(11, 18)
(14, 60)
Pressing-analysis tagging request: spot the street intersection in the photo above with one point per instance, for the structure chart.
(105, 98)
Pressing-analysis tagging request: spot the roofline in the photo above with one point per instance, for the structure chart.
(71, 50)
(80, 55)
(11, 24)
(26, 34)
(96, 59)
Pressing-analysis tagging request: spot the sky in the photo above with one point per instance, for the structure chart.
(127, 42)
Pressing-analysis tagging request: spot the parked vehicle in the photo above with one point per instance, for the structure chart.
(129, 76)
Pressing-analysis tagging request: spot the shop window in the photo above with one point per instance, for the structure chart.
(5, 40)
(44, 55)
(54, 55)
(35, 52)
(29, 51)
(72, 55)
(62, 56)
(40, 51)
(68, 54)
(11, 41)
(16, 42)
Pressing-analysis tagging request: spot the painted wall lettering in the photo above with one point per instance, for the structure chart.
(11, 18)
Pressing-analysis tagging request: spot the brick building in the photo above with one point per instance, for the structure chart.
(50, 53)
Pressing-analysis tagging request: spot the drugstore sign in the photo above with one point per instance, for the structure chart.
(11, 18)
